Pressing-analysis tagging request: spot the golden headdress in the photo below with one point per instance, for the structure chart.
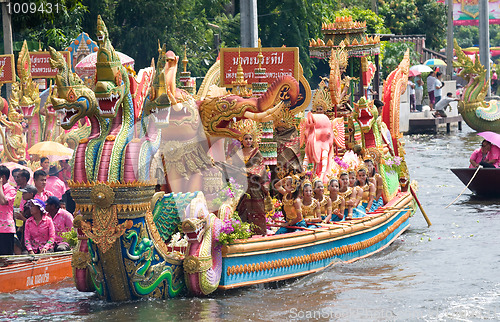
(322, 97)
(362, 166)
(295, 181)
(251, 127)
(305, 182)
(316, 179)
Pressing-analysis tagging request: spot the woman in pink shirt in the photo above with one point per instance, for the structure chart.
(488, 155)
(7, 225)
(39, 232)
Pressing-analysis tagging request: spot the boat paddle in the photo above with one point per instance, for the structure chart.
(467, 186)
(420, 206)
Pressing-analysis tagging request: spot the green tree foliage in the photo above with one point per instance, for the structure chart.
(466, 36)
(55, 28)
(394, 53)
(292, 23)
(405, 17)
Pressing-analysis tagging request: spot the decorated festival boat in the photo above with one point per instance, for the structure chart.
(22, 272)
(178, 142)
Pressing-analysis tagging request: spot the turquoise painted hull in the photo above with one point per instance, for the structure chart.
(281, 257)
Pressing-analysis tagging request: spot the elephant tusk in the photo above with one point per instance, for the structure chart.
(260, 116)
(177, 107)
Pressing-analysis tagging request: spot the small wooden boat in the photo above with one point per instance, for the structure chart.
(485, 183)
(22, 272)
(280, 257)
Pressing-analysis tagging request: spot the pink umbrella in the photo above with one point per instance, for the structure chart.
(492, 137)
(413, 73)
(86, 67)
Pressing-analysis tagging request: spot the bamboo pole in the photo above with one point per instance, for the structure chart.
(420, 206)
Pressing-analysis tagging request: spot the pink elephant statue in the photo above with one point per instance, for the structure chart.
(318, 134)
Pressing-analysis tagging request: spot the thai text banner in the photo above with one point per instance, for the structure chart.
(278, 62)
(40, 64)
(8, 73)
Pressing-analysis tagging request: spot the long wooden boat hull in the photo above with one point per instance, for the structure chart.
(24, 272)
(281, 257)
(485, 182)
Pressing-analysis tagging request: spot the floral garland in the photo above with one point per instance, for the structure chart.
(393, 162)
(341, 163)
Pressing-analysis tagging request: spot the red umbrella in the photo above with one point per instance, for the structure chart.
(492, 137)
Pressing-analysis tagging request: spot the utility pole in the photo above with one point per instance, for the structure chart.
(248, 23)
(484, 39)
(375, 6)
(217, 37)
(449, 41)
(7, 38)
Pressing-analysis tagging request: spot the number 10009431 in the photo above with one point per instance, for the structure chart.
(32, 8)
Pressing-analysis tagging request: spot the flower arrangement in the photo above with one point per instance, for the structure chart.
(275, 216)
(233, 229)
(344, 165)
(351, 159)
(393, 162)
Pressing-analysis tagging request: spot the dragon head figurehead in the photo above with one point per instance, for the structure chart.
(475, 74)
(220, 114)
(28, 102)
(73, 99)
(365, 113)
(157, 98)
(166, 103)
(112, 83)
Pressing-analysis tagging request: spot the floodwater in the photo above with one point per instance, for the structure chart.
(446, 272)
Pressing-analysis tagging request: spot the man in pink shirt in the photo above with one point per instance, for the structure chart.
(40, 180)
(63, 222)
(54, 184)
(7, 224)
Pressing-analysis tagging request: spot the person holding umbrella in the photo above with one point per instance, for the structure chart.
(488, 155)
